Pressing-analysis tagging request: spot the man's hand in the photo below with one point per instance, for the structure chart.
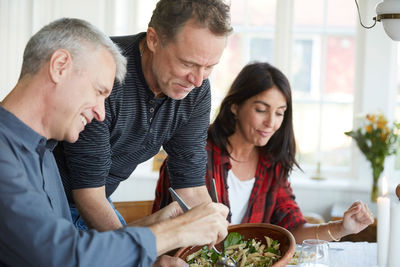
(171, 211)
(168, 261)
(203, 224)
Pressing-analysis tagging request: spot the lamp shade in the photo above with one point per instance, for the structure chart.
(390, 25)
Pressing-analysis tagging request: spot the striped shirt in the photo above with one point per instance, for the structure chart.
(136, 125)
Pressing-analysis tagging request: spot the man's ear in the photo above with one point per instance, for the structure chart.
(59, 65)
(152, 39)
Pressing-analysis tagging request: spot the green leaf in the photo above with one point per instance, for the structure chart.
(204, 252)
(252, 249)
(272, 250)
(214, 257)
(233, 238)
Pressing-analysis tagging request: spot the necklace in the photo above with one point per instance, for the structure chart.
(144, 46)
(253, 156)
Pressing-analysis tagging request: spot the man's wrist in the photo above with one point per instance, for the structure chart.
(194, 196)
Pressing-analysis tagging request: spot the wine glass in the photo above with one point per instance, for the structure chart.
(314, 253)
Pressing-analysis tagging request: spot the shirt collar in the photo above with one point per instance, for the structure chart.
(25, 135)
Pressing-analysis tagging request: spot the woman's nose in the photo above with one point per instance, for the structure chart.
(269, 120)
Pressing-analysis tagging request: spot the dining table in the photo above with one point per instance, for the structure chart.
(351, 254)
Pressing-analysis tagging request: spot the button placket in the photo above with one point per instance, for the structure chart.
(151, 111)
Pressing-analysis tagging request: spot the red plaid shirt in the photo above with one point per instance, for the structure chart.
(271, 199)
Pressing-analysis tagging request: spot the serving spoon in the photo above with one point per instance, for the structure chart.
(222, 259)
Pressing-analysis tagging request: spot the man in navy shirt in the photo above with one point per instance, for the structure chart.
(68, 70)
(164, 102)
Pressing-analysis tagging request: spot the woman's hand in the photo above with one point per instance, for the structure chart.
(357, 218)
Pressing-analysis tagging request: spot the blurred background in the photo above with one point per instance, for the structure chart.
(338, 71)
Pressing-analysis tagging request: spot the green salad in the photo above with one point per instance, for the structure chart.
(245, 252)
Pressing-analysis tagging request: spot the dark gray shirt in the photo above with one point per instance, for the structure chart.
(135, 127)
(35, 224)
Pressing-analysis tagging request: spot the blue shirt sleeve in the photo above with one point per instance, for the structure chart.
(33, 233)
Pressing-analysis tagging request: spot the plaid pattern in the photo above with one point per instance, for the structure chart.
(271, 200)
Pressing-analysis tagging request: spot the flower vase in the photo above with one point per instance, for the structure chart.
(374, 190)
(377, 171)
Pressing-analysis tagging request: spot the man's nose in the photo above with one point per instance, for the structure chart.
(99, 111)
(196, 77)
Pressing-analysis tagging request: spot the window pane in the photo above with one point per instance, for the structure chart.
(261, 49)
(342, 13)
(252, 39)
(304, 15)
(311, 131)
(323, 81)
(340, 67)
(230, 64)
(261, 12)
(335, 145)
(301, 66)
(238, 12)
(306, 129)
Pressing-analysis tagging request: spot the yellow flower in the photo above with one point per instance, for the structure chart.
(371, 118)
(381, 122)
(384, 136)
(376, 140)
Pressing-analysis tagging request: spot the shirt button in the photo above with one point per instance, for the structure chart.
(151, 102)
(151, 131)
(151, 119)
(151, 110)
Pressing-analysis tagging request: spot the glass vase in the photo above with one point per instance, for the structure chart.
(376, 174)
(374, 190)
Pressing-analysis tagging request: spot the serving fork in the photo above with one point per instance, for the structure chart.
(222, 260)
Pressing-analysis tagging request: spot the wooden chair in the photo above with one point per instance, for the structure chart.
(133, 210)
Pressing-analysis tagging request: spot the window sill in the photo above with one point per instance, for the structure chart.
(331, 183)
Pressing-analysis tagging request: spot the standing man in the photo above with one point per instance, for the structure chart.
(165, 101)
(68, 70)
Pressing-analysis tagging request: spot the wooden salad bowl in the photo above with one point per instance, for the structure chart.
(257, 231)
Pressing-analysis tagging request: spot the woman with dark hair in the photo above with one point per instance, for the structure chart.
(251, 152)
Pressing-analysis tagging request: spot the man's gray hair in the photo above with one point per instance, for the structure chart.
(76, 36)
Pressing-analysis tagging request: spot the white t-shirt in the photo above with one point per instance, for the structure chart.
(239, 194)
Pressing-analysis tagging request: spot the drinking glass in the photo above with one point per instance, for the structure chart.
(314, 253)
